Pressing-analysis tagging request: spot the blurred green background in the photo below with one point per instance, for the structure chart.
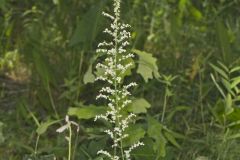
(187, 68)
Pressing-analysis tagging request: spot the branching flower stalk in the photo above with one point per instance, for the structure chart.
(115, 66)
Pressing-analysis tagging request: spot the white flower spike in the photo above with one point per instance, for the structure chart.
(115, 65)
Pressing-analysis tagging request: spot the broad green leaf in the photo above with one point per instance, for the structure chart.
(135, 133)
(154, 127)
(86, 112)
(139, 106)
(160, 146)
(88, 27)
(155, 132)
(147, 66)
(44, 126)
(88, 76)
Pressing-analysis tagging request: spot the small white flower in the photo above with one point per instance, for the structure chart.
(67, 125)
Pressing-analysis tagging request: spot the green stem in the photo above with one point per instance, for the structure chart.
(123, 157)
(75, 146)
(70, 142)
(36, 145)
(201, 102)
(164, 105)
(52, 101)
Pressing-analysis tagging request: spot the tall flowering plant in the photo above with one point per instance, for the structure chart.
(115, 66)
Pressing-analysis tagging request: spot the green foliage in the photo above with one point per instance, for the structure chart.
(47, 59)
(139, 106)
(2, 138)
(86, 112)
(42, 128)
(147, 66)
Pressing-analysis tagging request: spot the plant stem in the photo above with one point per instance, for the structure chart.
(52, 101)
(75, 146)
(201, 102)
(70, 142)
(36, 145)
(164, 105)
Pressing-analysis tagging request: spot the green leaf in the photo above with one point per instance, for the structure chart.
(218, 87)
(171, 139)
(196, 13)
(129, 70)
(223, 66)
(88, 27)
(224, 40)
(139, 106)
(135, 133)
(229, 109)
(227, 85)
(235, 82)
(96, 145)
(235, 69)
(86, 112)
(145, 152)
(235, 136)
(44, 126)
(155, 132)
(147, 66)
(220, 71)
(88, 76)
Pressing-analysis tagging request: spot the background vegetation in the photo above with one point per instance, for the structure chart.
(187, 70)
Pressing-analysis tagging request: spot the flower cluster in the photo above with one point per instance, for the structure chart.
(115, 66)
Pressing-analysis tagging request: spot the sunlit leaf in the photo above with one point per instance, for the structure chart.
(86, 112)
(89, 76)
(147, 66)
(139, 106)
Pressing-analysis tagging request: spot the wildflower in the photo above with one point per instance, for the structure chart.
(115, 66)
(67, 125)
